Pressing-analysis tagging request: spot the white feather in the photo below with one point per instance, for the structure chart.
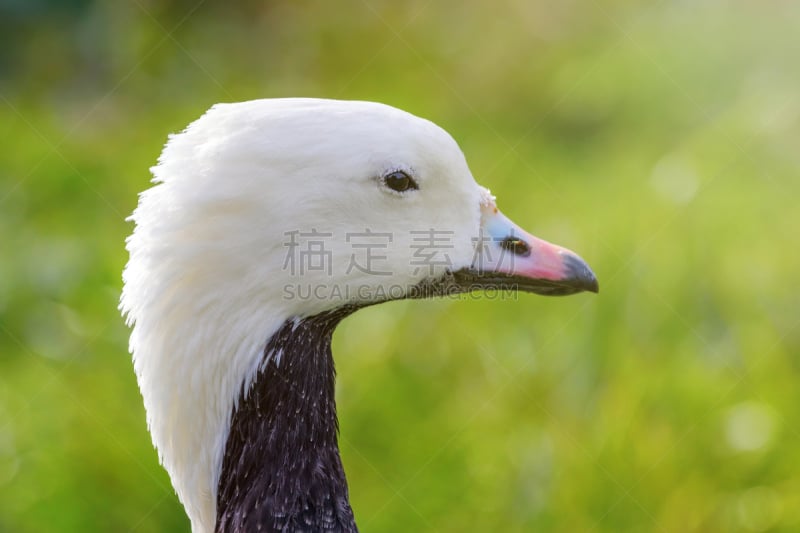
(204, 286)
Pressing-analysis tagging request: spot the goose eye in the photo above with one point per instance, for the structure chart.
(400, 181)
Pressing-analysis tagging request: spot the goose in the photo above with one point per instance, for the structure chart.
(270, 221)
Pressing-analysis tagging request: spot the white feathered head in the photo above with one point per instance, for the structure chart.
(272, 209)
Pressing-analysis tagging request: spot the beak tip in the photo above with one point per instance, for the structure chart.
(595, 287)
(587, 283)
(580, 274)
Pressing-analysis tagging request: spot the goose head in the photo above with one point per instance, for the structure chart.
(266, 214)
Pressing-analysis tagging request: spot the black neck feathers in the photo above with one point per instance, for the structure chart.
(281, 470)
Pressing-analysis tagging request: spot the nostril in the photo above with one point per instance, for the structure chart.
(515, 246)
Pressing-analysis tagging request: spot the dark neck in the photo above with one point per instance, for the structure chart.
(282, 470)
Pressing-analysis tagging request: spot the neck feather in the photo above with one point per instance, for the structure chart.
(281, 470)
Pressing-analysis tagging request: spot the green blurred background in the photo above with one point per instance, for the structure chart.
(660, 140)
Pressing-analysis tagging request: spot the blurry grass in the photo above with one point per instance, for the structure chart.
(658, 141)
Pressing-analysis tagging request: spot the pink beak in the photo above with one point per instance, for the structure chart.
(509, 257)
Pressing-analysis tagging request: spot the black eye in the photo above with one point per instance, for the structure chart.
(400, 181)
